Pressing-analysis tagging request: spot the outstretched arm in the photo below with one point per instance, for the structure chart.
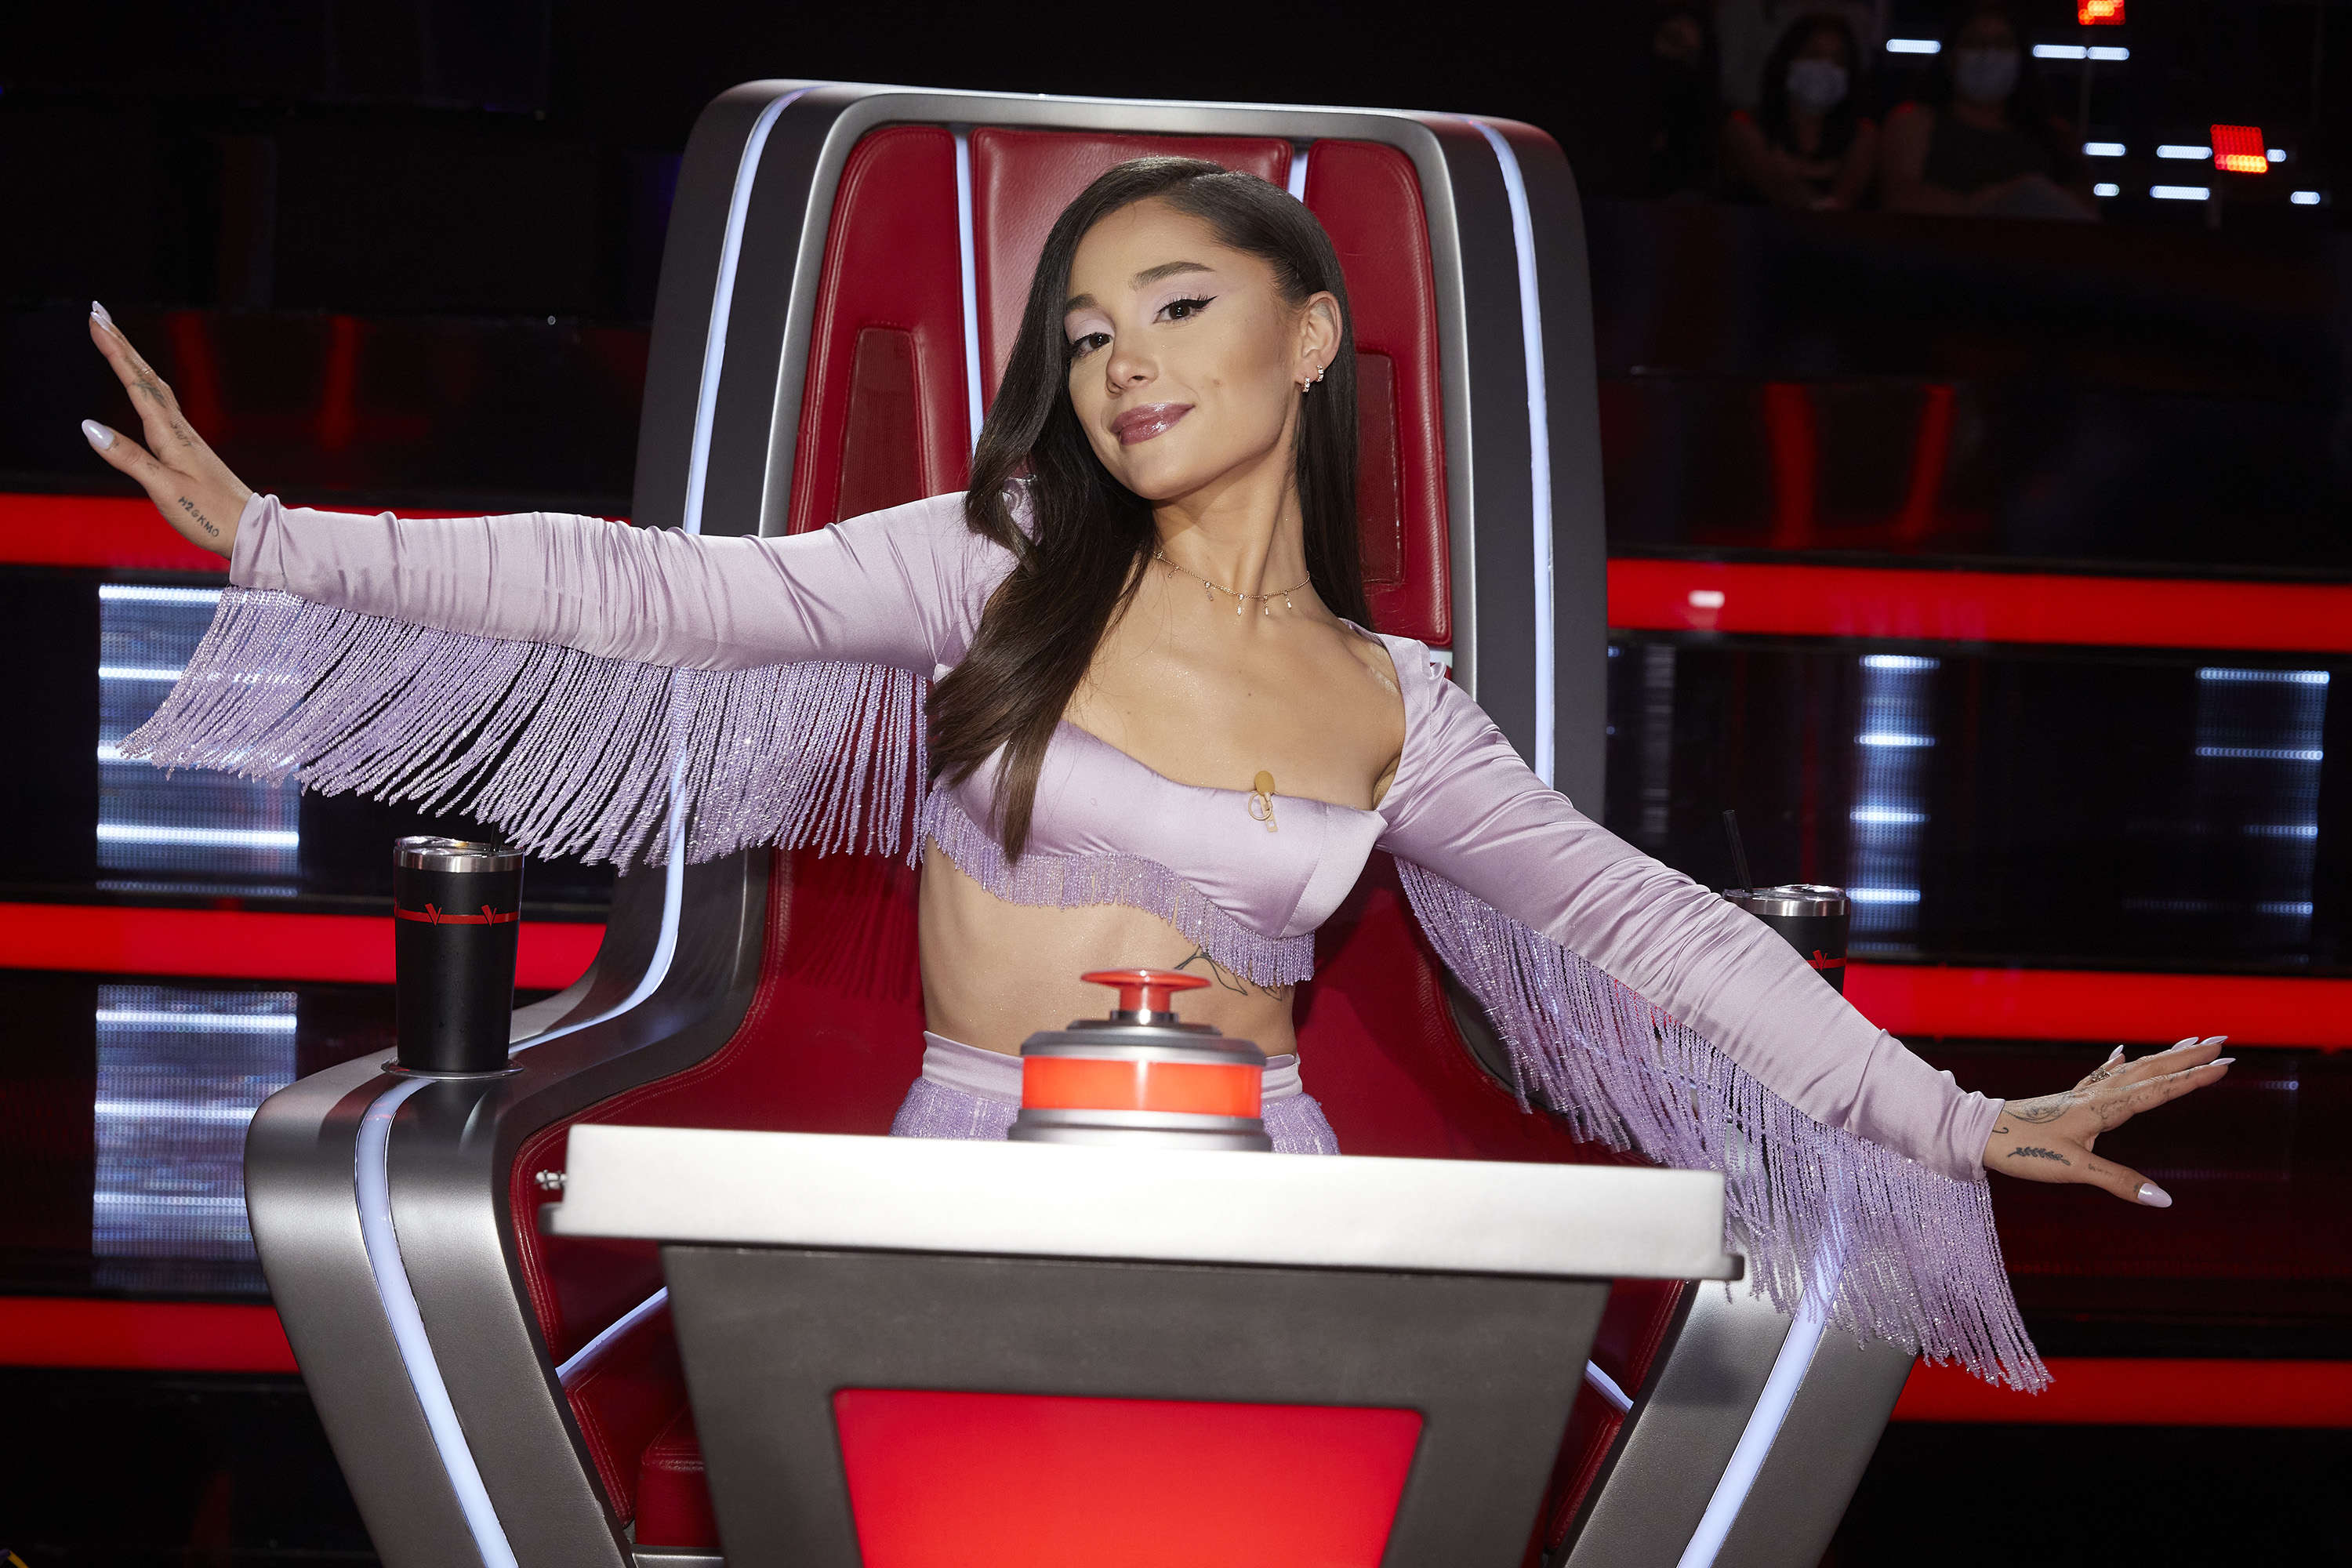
(1467, 808)
(903, 587)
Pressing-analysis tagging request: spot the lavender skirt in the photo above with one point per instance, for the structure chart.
(966, 1092)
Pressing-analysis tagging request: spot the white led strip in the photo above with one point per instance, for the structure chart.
(370, 1181)
(583, 1361)
(1764, 1422)
(722, 303)
(1606, 1387)
(966, 256)
(1523, 241)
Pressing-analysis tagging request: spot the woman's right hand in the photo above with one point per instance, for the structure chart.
(185, 478)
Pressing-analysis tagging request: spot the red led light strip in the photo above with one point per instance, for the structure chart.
(109, 532)
(2098, 1391)
(244, 944)
(142, 1336)
(1933, 1000)
(1978, 607)
(1912, 999)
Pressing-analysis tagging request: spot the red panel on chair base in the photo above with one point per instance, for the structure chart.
(1012, 1480)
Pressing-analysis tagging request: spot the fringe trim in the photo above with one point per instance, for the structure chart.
(1070, 881)
(1911, 1255)
(567, 752)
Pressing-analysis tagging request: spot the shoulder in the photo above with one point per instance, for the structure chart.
(1440, 717)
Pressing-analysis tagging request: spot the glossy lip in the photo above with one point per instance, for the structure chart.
(1138, 424)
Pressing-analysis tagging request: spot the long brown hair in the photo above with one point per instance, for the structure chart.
(1090, 536)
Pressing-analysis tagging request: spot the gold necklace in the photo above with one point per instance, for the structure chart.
(1241, 601)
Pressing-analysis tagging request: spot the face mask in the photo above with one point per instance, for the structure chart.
(1816, 86)
(1984, 76)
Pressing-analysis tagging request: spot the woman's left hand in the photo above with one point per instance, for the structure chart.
(2051, 1139)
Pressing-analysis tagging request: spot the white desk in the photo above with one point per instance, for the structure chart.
(1464, 1216)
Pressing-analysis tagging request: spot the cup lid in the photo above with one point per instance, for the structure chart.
(1789, 899)
(426, 852)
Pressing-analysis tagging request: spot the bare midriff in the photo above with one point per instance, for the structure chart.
(996, 972)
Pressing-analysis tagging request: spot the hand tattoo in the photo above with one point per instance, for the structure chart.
(2039, 1155)
(1228, 981)
(201, 521)
(2049, 1108)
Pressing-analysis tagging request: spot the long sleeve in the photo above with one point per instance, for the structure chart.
(590, 687)
(1656, 1017)
(1466, 807)
(903, 587)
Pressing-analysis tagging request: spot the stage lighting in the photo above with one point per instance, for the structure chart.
(2238, 150)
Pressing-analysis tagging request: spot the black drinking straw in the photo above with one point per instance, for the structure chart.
(1738, 852)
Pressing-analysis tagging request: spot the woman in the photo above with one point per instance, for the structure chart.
(1159, 734)
(1983, 140)
(1807, 147)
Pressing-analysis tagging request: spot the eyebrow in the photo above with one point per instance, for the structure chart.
(1142, 279)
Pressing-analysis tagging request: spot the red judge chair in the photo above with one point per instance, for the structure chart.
(847, 266)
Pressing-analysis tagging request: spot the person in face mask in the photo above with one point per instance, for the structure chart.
(1982, 140)
(1806, 147)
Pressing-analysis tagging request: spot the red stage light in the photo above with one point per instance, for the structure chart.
(254, 944)
(2238, 150)
(2099, 13)
(1772, 599)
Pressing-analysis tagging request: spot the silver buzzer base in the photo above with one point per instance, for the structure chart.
(1142, 1129)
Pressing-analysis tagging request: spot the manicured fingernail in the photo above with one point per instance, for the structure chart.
(2221, 1061)
(2215, 1040)
(98, 314)
(2154, 1196)
(2113, 1054)
(97, 434)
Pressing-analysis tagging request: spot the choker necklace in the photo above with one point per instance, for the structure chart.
(1241, 601)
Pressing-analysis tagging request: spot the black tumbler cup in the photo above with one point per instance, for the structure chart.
(458, 910)
(1812, 920)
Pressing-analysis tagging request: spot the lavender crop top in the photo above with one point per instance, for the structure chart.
(905, 588)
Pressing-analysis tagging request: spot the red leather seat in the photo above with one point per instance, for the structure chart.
(833, 1036)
